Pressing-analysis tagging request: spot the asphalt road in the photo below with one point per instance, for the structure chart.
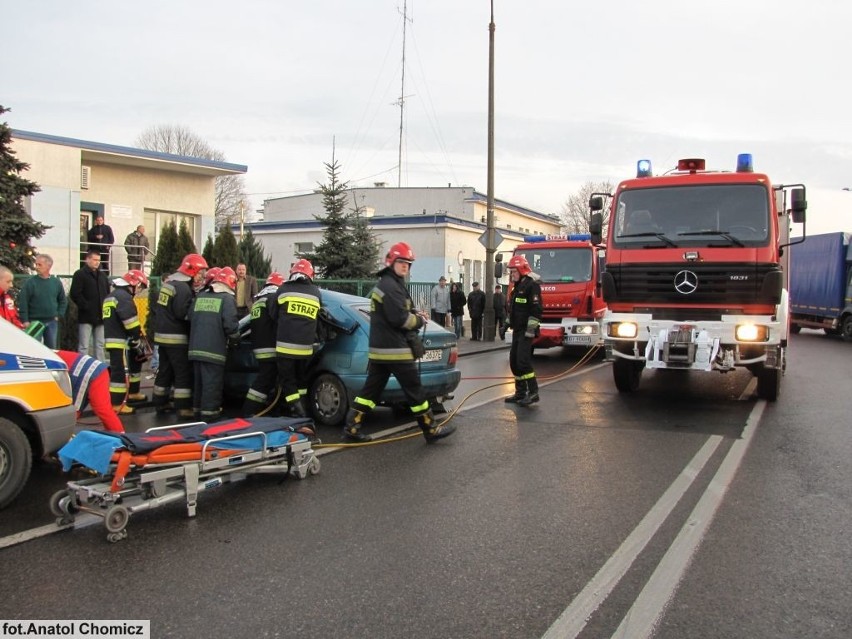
(689, 509)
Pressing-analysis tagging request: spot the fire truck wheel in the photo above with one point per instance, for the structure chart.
(627, 375)
(846, 329)
(768, 384)
(795, 329)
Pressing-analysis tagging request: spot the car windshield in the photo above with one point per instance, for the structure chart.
(695, 215)
(560, 264)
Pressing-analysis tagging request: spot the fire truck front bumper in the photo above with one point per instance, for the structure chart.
(736, 340)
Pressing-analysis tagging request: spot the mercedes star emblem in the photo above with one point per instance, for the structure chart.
(685, 282)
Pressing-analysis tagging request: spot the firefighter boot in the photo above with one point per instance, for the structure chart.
(352, 430)
(520, 391)
(433, 431)
(531, 396)
(295, 409)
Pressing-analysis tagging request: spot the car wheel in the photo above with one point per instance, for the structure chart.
(329, 400)
(16, 458)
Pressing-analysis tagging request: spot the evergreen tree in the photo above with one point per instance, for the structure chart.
(225, 251)
(365, 247)
(252, 255)
(17, 227)
(168, 251)
(185, 244)
(332, 257)
(207, 253)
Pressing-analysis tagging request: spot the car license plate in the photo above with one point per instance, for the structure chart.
(433, 355)
(578, 339)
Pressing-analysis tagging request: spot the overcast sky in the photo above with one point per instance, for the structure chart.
(583, 89)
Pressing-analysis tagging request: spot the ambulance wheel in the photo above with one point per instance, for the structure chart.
(329, 400)
(627, 375)
(16, 459)
(116, 519)
(768, 384)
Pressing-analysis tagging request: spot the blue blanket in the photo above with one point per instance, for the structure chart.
(94, 448)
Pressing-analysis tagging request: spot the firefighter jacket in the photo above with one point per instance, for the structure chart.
(121, 319)
(215, 324)
(392, 318)
(171, 325)
(525, 304)
(264, 329)
(8, 311)
(299, 303)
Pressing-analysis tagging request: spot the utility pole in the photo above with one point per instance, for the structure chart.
(490, 244)
(402, 96)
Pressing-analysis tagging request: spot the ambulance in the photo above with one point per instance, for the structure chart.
(37, 415)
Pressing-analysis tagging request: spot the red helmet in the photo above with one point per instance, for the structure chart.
(304, 267)
(399, 251)
(275, 278)
(227, 276)
(192, 264)
(211, 273)
(135, 277)
(519, 262)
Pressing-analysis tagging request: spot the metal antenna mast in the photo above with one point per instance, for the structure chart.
(402, 95)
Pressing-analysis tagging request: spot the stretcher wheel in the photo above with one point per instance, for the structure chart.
(314, 466)
(116, 519)
(117, 536)
(62, 506)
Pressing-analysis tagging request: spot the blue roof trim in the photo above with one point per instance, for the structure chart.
(127, 150)
(481, 197)
(409, 220)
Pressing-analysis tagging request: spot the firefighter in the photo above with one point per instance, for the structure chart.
(394, 346)
(123, 341)
(171, 334)
(264, 330)
(214, 328)
(297, 311)
(524, 319)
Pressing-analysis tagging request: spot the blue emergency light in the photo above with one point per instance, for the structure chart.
(643, 168)
(745, 163)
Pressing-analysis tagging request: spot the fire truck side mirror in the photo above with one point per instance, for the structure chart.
(596, 203)
(596, 226)
(798, 205)
(498, 266)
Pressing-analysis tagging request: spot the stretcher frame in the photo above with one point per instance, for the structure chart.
(158, 484)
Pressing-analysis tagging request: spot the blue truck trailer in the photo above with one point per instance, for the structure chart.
(821, 284)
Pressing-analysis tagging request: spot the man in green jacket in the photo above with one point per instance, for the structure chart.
(43, 299)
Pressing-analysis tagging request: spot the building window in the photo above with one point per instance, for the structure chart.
(303, 247)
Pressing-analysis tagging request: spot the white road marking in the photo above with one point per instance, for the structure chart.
(648, 609)
(572, 621)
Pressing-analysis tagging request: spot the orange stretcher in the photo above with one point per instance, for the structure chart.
(169, 463)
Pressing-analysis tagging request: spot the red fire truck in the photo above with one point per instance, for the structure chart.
(696, 275)
(569, 268)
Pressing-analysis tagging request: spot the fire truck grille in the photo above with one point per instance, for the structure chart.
(692, 283)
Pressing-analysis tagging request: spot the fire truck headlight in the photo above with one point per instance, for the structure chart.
(623, 329)
(751, 333)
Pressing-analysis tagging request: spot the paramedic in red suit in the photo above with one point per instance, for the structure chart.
(90, 386)
(8, 311)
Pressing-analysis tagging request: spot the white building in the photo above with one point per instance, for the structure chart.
(80, 179)
(442, 224)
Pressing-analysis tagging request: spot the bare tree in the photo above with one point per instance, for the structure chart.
(231, 200)
(575, 211)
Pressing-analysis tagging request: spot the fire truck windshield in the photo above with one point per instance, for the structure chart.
(556, 264)
(692, 215)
